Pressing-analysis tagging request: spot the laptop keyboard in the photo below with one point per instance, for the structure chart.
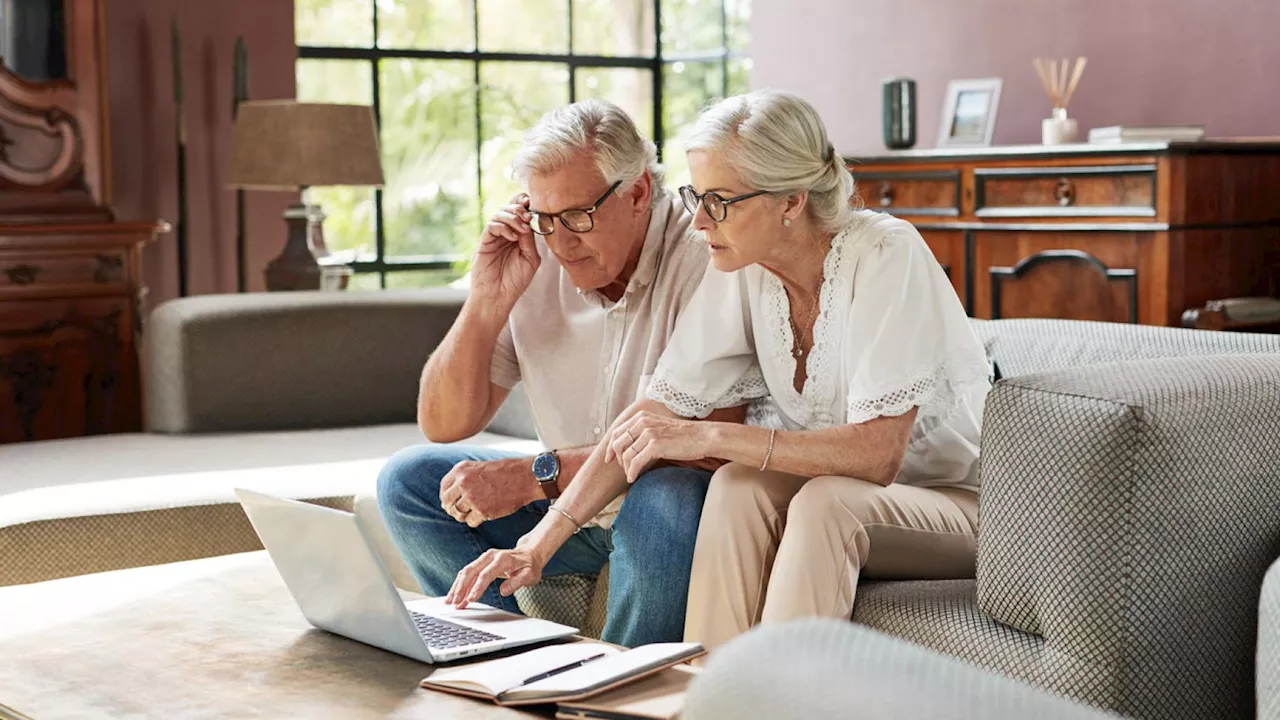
(442, 634)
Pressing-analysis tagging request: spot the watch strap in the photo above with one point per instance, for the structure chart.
(551, 488)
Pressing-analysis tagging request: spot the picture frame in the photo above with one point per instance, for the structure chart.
(969, 113)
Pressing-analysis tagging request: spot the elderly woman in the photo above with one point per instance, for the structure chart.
(867, 379)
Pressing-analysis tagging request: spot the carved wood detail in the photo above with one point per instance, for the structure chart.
(41, 147)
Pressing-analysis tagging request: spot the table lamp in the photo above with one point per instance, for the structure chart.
(288, 145)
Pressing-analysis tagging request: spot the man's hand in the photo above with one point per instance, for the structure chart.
(507, 256)
(474, 492)
(645, 438)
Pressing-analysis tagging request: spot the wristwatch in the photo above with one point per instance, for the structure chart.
(546, 470)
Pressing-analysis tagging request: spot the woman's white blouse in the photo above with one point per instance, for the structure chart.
(890, 335)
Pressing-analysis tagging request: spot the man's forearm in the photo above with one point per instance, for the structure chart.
(454, 393)
(572, 461)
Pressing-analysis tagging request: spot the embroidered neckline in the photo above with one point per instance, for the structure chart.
(814, 399)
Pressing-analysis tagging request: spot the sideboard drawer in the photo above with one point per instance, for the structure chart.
(1101, 191)
(105, 270)
(907, 193)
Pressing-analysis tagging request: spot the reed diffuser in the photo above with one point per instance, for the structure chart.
(1059, 82)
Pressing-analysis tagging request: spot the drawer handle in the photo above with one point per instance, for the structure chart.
(885, 194)
(22, 274)
(1064, 192)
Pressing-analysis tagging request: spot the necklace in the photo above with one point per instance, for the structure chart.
(797, 347)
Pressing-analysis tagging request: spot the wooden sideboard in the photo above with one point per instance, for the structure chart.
(1121, 233)
(70, 274)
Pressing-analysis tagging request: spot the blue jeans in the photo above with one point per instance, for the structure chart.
(650, 547)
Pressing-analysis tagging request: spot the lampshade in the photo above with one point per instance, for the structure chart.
(285, 145)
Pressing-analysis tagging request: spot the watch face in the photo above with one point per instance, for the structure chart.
(545, 467)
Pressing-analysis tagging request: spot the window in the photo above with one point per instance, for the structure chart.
(456, 83)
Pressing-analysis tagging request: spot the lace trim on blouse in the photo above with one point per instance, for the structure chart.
(662, 389)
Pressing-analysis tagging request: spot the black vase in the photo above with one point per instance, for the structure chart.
(899, 113)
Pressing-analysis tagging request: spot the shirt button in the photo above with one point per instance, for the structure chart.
(596, 431)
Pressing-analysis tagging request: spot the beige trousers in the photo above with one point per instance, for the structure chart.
(774, 547)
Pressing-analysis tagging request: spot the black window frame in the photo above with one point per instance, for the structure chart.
(382, 265)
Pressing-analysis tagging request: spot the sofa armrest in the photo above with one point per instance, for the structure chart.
(1128, 514)
(273, 361)
(826, 668)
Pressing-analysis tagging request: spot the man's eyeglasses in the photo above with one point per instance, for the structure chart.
(717, 206)
(578, 221)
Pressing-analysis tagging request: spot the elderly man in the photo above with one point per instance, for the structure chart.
(575, 288)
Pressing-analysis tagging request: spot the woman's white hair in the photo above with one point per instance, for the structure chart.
(777, 142)
(621, 153)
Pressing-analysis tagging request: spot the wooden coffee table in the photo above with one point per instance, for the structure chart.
(208, 638)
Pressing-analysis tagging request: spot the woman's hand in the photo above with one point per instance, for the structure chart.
(519, 566)
(645, 438)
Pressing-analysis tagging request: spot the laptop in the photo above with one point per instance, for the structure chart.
(338, 581)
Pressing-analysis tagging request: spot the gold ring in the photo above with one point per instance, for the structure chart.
(630, 436)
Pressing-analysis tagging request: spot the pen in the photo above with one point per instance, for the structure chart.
(557, 671)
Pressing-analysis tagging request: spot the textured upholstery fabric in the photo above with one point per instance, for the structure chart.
(944, 615)
(266, 361)
(65, 547)
(1026, 346)
(576, 600)
(831, 669)
(1269, 646)
(1128, 513)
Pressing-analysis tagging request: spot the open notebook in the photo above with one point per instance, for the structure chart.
(559, 673)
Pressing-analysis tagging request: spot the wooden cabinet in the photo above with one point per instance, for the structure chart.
(949, 248)
(1121, 233)
(70, 274)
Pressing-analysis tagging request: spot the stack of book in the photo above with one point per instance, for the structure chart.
(1118, 134)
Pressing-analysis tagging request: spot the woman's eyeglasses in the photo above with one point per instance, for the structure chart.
(578, 221)
(717, 206)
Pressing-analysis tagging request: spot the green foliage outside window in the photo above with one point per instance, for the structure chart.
(447, 166)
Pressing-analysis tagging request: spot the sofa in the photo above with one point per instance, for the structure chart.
(303, 395)
(1130, 505)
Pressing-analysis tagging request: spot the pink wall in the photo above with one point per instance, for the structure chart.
(143, 151)
(1209, 62)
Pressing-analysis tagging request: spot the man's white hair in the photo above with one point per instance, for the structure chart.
(621, 153)
(777, 142)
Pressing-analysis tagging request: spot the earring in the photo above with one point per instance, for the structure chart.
(786, 222)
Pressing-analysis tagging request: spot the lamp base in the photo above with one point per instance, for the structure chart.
(296, 267)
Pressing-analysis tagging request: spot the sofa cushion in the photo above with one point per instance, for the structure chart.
(180, 457)
(944, 615)
(109, 502)
(1025, 346)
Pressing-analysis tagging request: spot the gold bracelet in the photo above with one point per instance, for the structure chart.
(768, 453)
(576, 525)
